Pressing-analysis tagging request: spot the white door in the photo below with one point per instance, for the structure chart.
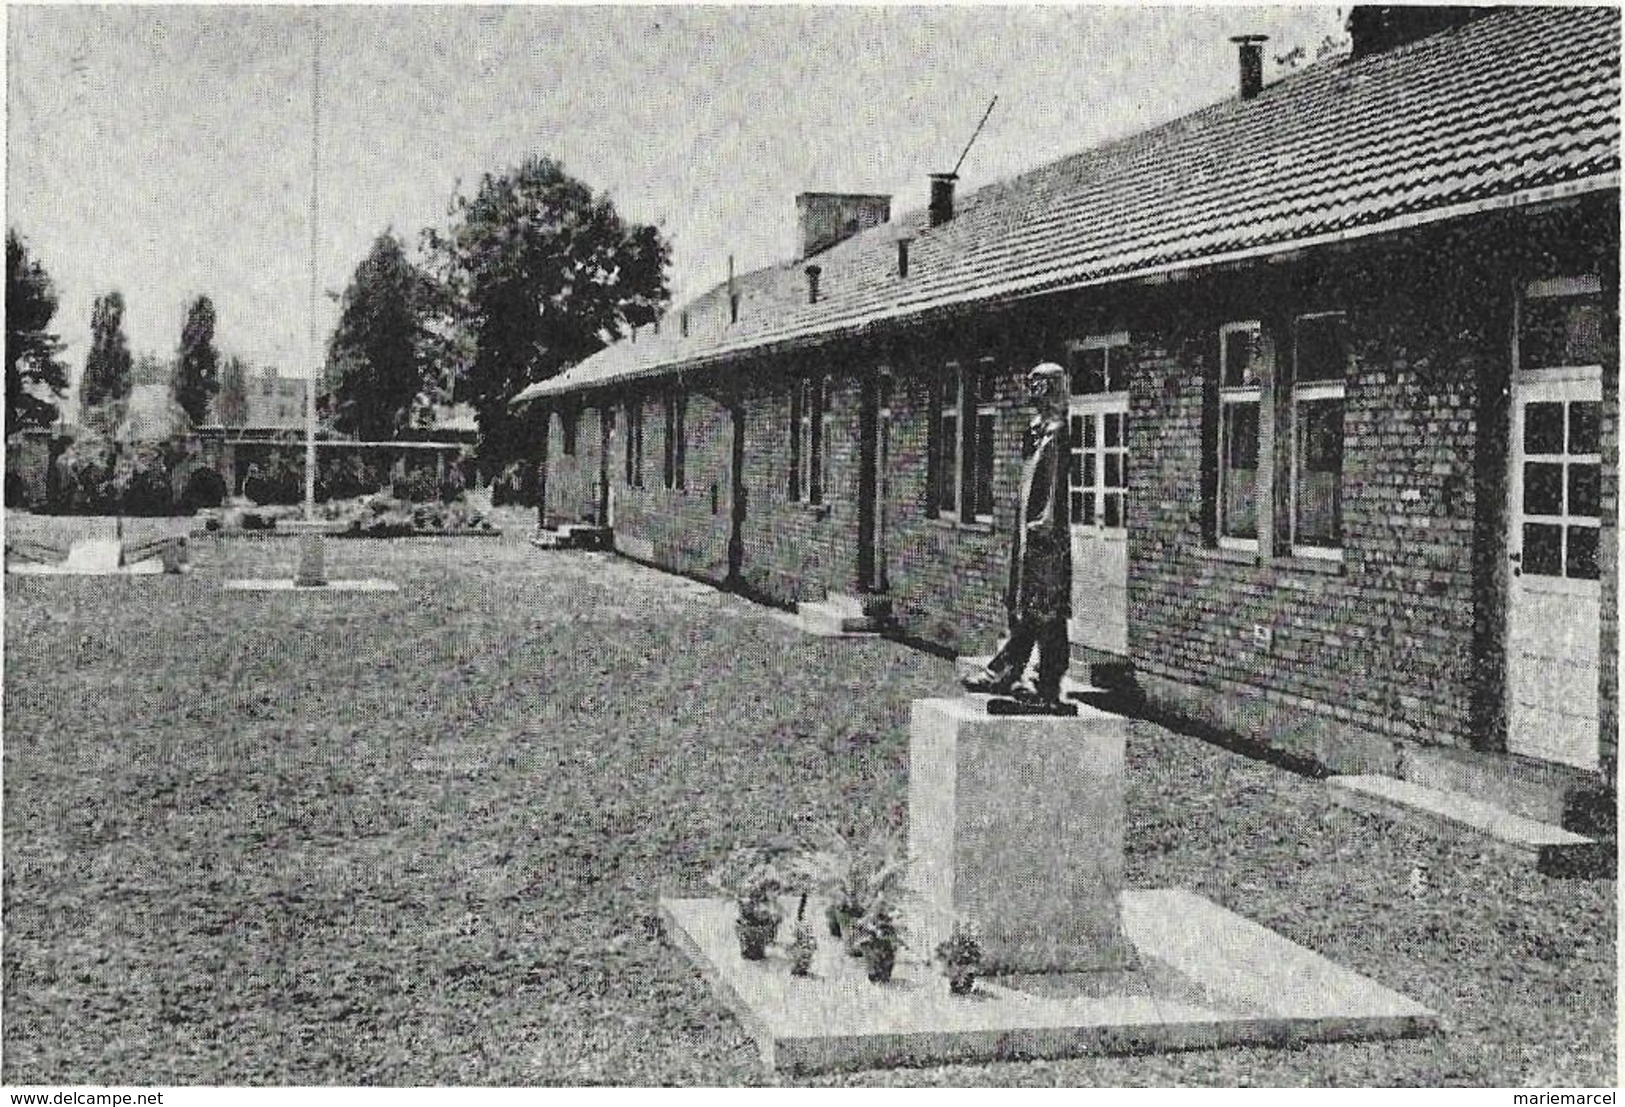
(1099, 481)
(1553, 608)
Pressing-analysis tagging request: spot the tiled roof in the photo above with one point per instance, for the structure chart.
(1519, 105)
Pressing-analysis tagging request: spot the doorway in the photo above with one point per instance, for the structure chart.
(1554, 516)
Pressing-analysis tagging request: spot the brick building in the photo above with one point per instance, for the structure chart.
(1345, 405)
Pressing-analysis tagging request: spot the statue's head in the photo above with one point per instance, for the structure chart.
(1047, 388)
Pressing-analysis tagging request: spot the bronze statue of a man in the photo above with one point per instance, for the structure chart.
(1039, 596)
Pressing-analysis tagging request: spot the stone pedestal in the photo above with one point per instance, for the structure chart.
(1017, 822)
(312, 571)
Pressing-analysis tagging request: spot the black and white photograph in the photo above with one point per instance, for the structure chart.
(811, 545)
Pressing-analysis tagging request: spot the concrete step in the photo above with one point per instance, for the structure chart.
(572, 536)
(1544, 791)
(1553, 849)
(836, 620)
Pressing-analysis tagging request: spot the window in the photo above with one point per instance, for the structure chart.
(1244, 364)
(634, 444)
(948, 444)
(962, 451)
(1320, 367)
(680, 398)
(1099, 364)
(980, 477)
(567, 429)
(1559, 474)
(809, 444)
(1097, 473)
(670, 466)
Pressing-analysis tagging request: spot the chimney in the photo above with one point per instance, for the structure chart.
(824, 219)
(942, 197)
(813, 273)
(1252, 63)
(902, 255)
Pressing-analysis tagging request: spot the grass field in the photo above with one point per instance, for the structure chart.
(418, 838)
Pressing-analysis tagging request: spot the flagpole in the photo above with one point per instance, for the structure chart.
(315, 208)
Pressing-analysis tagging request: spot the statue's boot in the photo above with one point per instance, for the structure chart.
(989, 682)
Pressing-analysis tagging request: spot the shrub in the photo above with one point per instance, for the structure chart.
(417, 486)
(141, 481)
(451, 485)
(17, 491)
(83, 478)
(202, 488)
(346, 475)
(280, 480)
(516, 484)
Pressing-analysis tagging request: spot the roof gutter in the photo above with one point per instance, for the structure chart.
(1079, 277)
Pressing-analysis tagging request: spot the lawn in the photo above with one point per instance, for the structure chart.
(418, 838)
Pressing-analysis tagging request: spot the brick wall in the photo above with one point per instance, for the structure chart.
(1383, 641)
(1401, 640)
(794, 551)
(572, 477)
(684, 528)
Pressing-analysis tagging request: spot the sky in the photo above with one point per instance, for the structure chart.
(166, 152)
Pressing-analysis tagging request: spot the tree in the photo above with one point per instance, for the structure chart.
(231, 402)
(1330, 46)
(541, 273)
(31, 362)
(197, 365)
(106, 381)
(379, 360)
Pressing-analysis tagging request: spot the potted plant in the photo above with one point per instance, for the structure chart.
(804, 943)
(853, 878)
(754, 884)
(878, 940)
(960, 955)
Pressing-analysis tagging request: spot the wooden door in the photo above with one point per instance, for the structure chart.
(1554, 517)
(1553, 607)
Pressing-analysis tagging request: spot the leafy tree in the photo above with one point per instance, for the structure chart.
(541, 273)
(106, 381)
(31, 361)
(197, 365)
(380, 358)
(231, 402)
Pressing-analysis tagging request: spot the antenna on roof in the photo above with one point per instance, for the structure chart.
(978, 131)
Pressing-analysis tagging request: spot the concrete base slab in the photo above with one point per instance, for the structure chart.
(149, 568)
(97, 557)
(1203, 978)
(286, 584)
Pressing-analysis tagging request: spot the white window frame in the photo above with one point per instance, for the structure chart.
(634, 443)
(1112, 341)
(808, 399)
(1228, 396)
(948, 497)
(958, 475)
(970, 386)
(1308, 392)
(1553, 288)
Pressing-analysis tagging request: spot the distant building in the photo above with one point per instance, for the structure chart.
(151, 414)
